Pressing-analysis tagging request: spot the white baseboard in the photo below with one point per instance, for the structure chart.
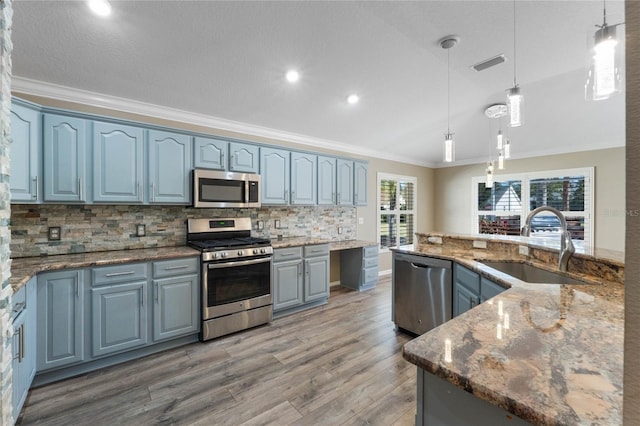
(384, 273)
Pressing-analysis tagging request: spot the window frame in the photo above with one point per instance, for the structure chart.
(526, 178)
(398, 178)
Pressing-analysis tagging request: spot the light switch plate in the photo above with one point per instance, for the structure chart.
(277, 224)
(339, 229)
(141, 230)
(54, 233)
(361, 221)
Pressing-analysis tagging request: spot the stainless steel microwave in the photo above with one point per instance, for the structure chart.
(219, 189)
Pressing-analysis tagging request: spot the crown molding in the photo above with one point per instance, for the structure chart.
(70, 94)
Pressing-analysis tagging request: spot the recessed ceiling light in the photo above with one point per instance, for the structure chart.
(100, 7)
(353, 99)
(292, 76)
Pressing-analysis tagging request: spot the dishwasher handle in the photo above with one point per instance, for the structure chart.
(420, 266)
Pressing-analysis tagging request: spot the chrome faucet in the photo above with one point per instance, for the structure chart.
(566, 245)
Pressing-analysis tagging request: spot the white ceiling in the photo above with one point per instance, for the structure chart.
(225, 61)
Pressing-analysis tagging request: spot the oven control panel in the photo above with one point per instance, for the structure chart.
(235, 254)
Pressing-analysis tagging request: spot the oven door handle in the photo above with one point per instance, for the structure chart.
(239, 263)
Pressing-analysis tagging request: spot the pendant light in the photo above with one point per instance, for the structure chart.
(604, 77)
(449, 144)
(514, 97)
(488, 183)
(497, 111)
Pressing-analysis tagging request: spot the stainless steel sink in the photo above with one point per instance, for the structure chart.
(529, 273)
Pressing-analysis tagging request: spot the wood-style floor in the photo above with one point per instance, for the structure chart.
(339, 364)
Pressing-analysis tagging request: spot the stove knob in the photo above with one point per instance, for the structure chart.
(263, 251)
(214, 255)
(240, 252)
(223, 254)
(255, 251)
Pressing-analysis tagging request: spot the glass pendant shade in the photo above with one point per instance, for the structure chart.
(507, 149)
(604, 78)
(500, 139)
(449, 148)
(501, 161)
(514, 105)
(489, 180)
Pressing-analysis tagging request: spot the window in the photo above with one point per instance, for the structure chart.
(397, 205)
(503, 208)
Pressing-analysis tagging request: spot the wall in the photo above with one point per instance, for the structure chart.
(92, 228)
(453, 195)
(6, 331)
(632, 251)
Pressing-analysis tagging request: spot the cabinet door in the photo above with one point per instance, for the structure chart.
(463, 299)
(489, 289)
(25, 154)
(119, 317)
(117, 163)
(303, 178)
(274, 170)
(243, 158)
(169, 167)
(360, 183)
(210, 153)
(326, 180)
(287, 284)
(175, 308)
(316, 280)
(65, 142)
(60, 319)
(345, 182)
(19, 372)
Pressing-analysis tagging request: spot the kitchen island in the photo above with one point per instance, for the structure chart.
(546, 353)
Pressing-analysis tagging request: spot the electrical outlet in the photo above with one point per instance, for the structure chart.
(141, 230)
(339, 229)
(260, 225)
(277, 224)
(361, 221)
(523, 250)
(54, 233)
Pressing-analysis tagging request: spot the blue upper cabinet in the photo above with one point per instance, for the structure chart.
(25, 181)
(117, 163)
(65, 161)
(303, 179)
(243, 157)
(345, 182)
(326, 180)
(274, 172)
(210, 153)
(360, 183)
(170, 163)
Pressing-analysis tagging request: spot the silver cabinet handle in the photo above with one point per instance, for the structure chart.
(77, 290)
(299, 271)
(306, 268)
(153, 192)
(117, 274)
(222, 160)
(157, 289)
(20, 333)
(17, 333)
(171, 268)
(35, 196)
(139, 191)
(333, 197)
(80, 189)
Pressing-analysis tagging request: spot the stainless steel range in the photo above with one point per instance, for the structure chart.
(236, 275)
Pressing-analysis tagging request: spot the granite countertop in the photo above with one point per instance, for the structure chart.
(548, 353)
(334, 245)
(24, 268)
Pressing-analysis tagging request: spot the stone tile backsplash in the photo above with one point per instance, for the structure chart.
(91, 228)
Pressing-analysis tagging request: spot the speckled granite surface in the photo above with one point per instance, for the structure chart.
(22, 269)
(334, 245)
(550, 354)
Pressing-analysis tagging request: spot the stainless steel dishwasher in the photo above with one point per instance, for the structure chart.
(422, 292)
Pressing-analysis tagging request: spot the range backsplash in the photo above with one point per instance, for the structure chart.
(90, 228)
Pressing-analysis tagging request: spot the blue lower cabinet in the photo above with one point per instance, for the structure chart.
(60, 319)
(119, 317)
(24, 344)
(175, 306)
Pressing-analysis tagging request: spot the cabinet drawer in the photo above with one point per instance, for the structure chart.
(317, 250)
(119, 273)
(170, 268)
(371, 262)
(467, 278)
(370, 275)
(289, 253)
(371, 251)
(19, 302)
